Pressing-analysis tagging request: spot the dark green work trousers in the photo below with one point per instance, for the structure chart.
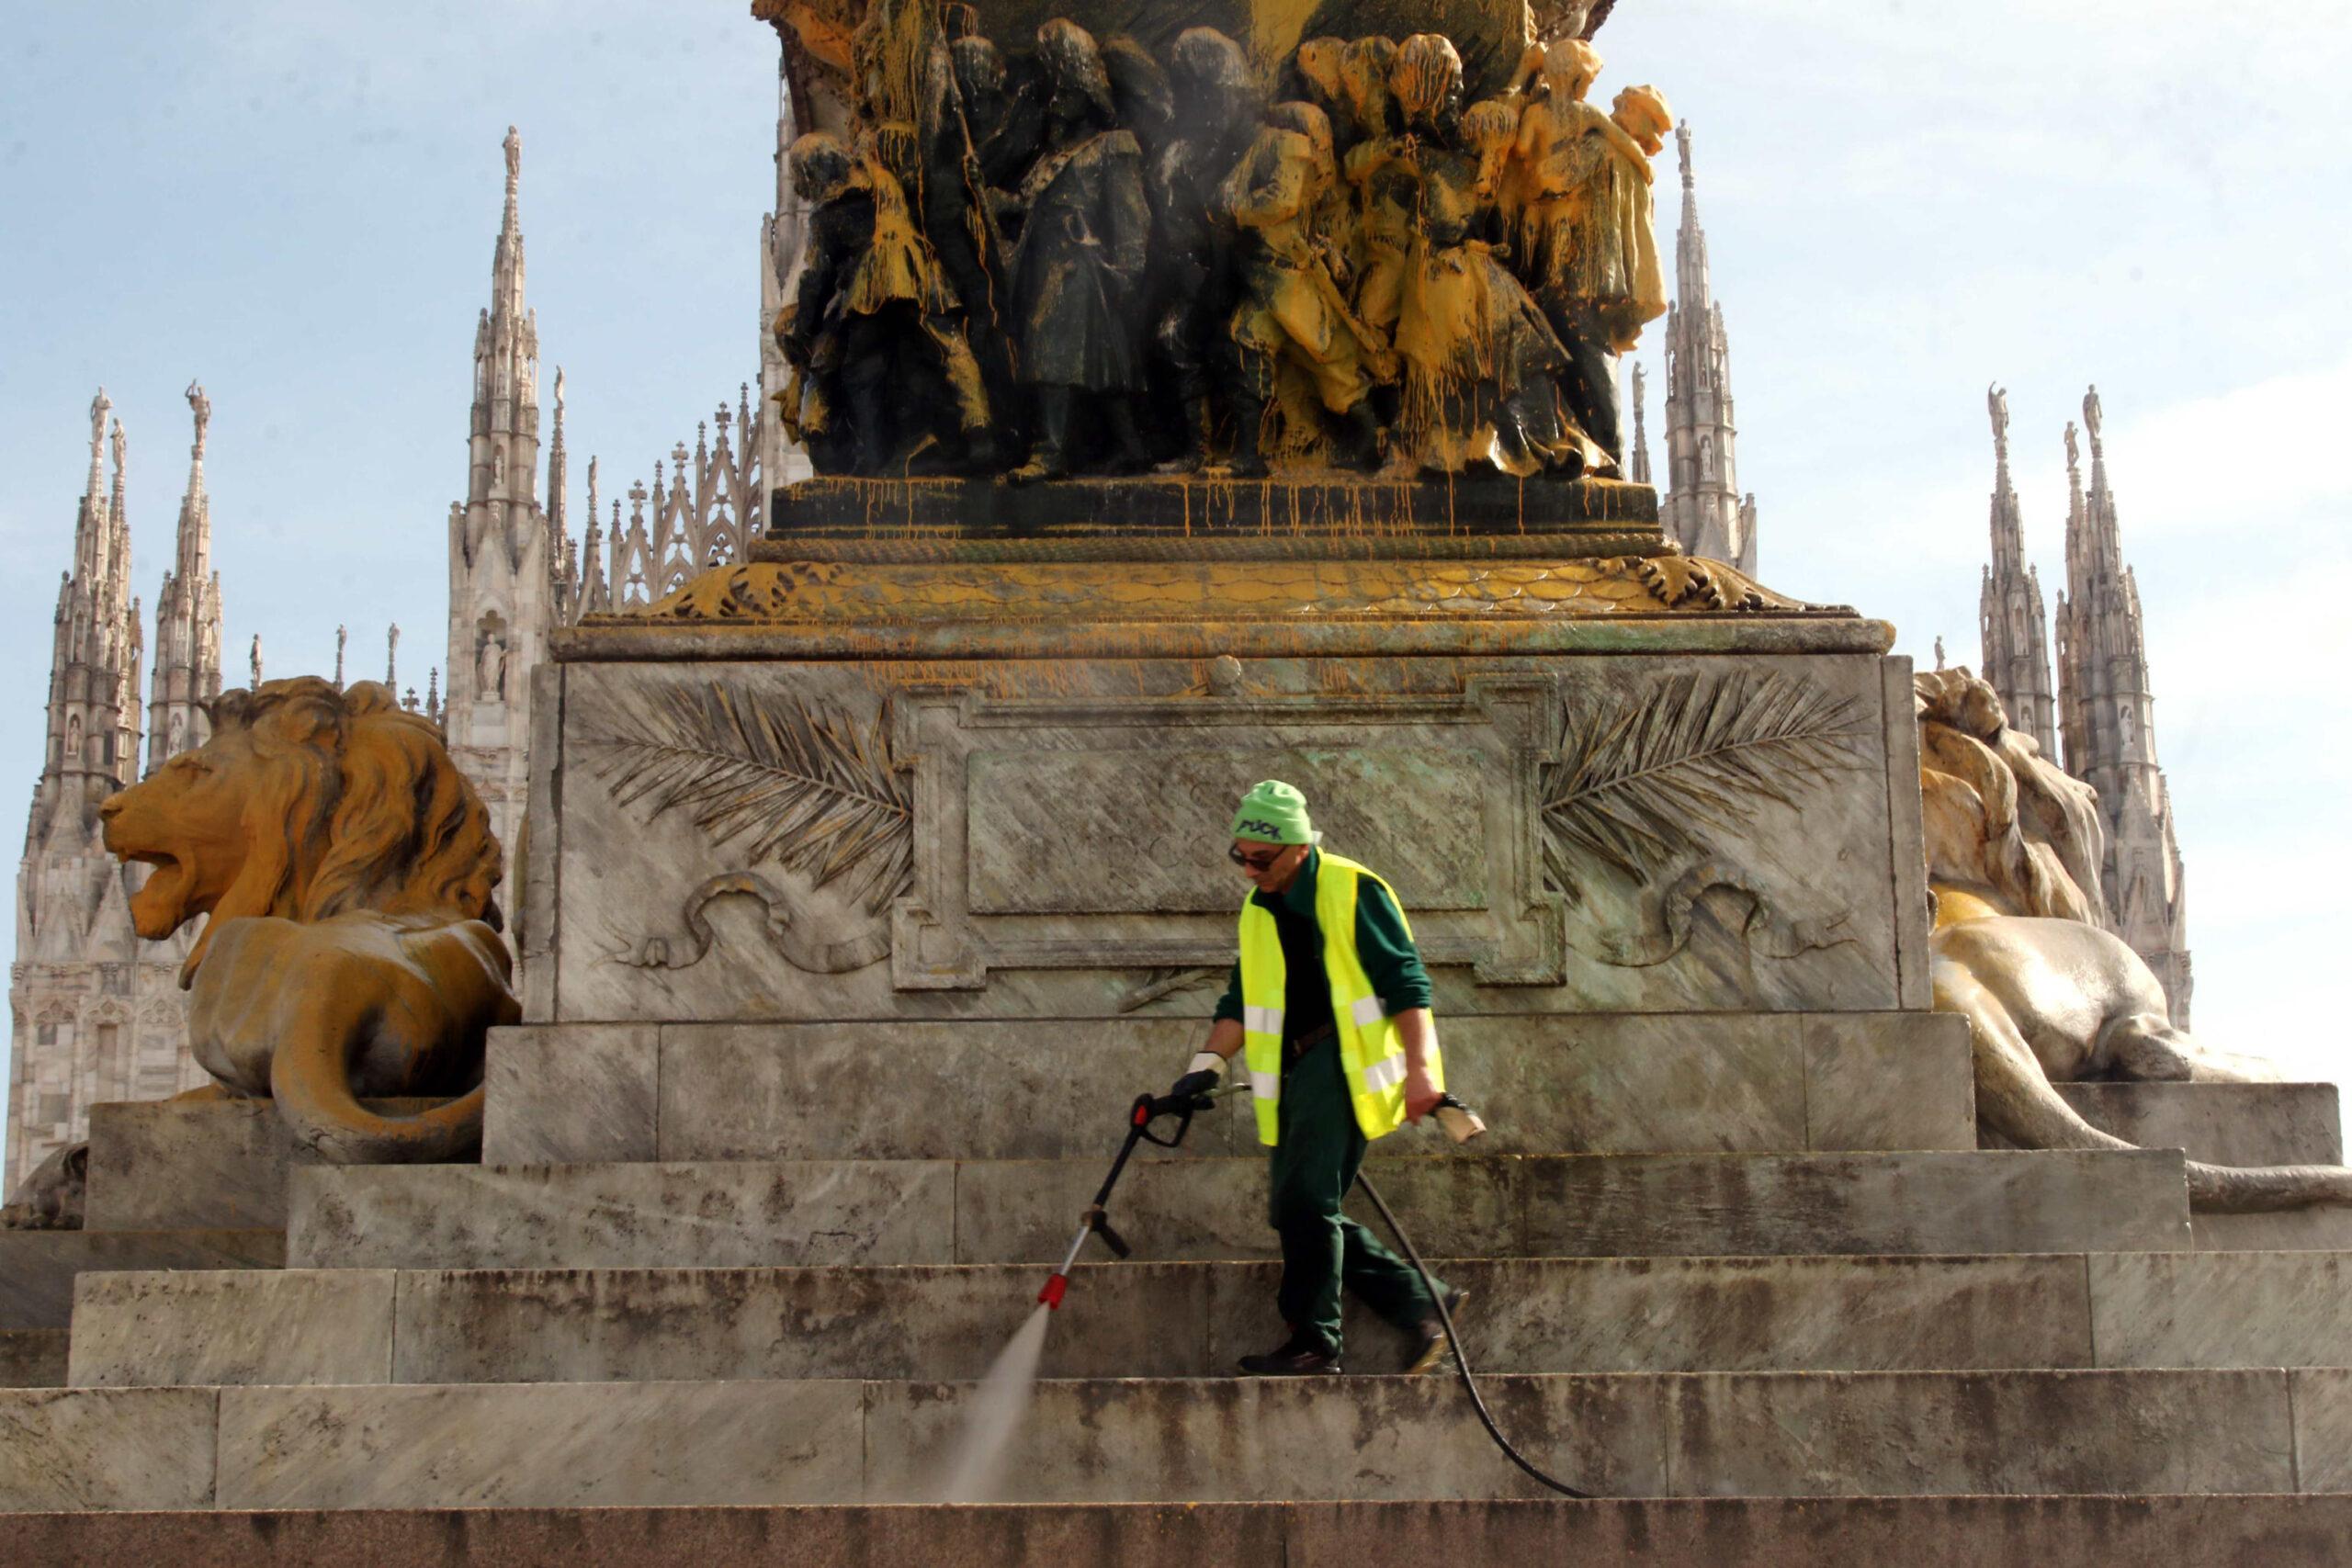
(1314, 1164)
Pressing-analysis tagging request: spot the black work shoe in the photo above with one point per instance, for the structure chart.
(1292, 1360)
(1431, 1343)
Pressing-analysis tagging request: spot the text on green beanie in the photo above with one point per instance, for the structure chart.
(1273, 813)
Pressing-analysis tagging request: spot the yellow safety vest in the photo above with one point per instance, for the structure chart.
(1369, 1048)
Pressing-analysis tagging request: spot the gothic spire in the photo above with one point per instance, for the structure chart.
(90, 527)
(595, 594)
(117, 567)
(2011, 621)
(2009, 528)
(186, 675)
(2074, 479)
(193, 558)
(506, 267)
(1703, 510)
(507, 577)
(2105, 540)
(94, 720)
(562, 566)
(1638, 470)
(1692, 285)
(2109, 713)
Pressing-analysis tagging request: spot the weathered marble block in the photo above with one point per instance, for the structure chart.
(1849, 1434)
(638, 1445)
(1596, 1083)
(2215, 1309)
(32, 1358)
(1714, 1435)
(204, 1327)
(2222, 1123)
(195, 1163)
(39, 1269)
(115, 1447)
(711, 1215)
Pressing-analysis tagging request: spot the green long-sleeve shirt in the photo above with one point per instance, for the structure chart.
(1390, 959)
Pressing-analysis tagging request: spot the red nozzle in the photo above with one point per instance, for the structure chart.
(1056, 1288)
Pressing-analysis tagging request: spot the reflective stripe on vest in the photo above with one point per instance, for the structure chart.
(1370, 1052)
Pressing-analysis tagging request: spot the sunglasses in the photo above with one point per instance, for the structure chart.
(1255, 862)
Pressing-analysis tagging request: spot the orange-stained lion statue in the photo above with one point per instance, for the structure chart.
(2022, 950)
(352, 950)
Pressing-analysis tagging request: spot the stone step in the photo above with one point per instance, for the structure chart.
(2224, 1124)
(38, 1267)
(2180, 1309)
(2207, 1531)
(32, 1358)
(2233, 1124)
(2283, 1230)
(1596, 1083)
(823, 1212)
(1222, 1440)
(195, 1163)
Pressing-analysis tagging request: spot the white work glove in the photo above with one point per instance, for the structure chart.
(1203, 1077)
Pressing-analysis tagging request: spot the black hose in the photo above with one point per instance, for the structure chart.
(1460, 1358)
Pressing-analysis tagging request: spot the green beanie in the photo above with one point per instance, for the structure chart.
(1273, 813)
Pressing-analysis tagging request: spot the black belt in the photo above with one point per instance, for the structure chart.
(1296, 1050)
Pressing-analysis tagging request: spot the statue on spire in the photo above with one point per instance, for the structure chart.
(514, 161)
(1996, 401)
(115, 444)
(203, 407)
(255, 655)
(100, 406)
(2073, 450)
(342, 636)
(2091, 417)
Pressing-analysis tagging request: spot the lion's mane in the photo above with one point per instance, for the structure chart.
(355, 806)
(2003, 823)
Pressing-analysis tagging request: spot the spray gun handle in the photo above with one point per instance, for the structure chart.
(1150, 1107)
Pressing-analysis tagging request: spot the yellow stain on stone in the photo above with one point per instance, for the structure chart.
(834, 591)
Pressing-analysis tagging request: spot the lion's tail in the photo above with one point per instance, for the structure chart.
(310, 1082)
(2253, 1189)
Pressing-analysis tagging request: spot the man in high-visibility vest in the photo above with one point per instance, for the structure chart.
(1330, 1008)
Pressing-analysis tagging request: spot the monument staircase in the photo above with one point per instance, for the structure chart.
(744, 1237)
(763, 1266)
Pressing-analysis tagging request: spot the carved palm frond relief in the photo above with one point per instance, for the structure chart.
(1641, 780)
(802, 783)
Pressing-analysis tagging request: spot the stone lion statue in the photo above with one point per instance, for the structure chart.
(2021, 949)
(352, 950)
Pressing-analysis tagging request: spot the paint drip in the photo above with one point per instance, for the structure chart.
(999, 1405)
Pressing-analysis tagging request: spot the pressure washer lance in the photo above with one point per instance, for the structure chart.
(1459, 1122)
(1147, 1109)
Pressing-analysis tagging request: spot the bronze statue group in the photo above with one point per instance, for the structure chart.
(1092, 260)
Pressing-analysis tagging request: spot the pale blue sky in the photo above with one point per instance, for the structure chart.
(295, 199)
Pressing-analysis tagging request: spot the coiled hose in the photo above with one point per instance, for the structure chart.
(1461, 1359)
